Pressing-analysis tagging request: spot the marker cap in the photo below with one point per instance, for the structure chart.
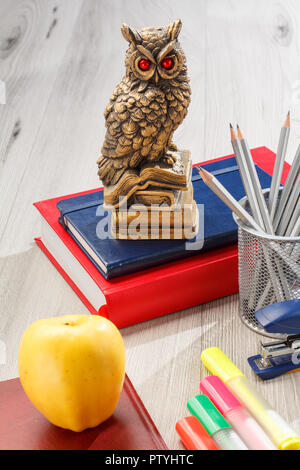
(219, 394)
(292, 443)
(203, 408)
(193, 434)
(219, 364)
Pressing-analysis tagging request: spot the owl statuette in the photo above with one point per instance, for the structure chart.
(148, 104)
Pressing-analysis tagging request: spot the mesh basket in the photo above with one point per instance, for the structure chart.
(269, 272)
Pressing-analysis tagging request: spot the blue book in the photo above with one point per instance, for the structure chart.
(82, 215)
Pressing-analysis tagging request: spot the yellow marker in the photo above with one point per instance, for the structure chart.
(283, 436)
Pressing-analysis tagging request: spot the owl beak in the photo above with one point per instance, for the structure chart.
(156, 77)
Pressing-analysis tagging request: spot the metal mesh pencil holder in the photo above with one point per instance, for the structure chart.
(269, 272)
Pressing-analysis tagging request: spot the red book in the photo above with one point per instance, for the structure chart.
(22, 427)
(150, 293)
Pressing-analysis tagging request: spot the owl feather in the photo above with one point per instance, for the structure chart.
(148, 104)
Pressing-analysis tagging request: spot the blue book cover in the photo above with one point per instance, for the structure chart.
(113, 258)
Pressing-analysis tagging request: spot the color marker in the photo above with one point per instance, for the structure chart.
(236, 414)
(283, 436)
(215, 424)
(193, 434)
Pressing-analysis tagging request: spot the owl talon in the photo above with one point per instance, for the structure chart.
(169, 158)
(173, 147)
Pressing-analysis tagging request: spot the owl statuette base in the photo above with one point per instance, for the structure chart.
(141, 169)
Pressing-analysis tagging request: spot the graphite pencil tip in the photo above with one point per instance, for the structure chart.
(287, 121)
(239, 133)
(206, 175)
(232, 133)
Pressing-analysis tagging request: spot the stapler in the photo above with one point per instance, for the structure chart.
(282, 356)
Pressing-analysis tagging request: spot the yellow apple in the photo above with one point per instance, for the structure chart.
(72, 369)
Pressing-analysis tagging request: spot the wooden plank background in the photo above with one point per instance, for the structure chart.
(60, 60)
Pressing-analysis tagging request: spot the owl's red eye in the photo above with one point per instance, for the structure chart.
(167, 63)
(144, 64)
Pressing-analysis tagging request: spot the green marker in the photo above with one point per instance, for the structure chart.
(215, 424)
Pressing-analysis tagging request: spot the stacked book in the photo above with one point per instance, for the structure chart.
(132, 281)
(159, 202)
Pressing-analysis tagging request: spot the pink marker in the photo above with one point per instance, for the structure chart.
(236, 414)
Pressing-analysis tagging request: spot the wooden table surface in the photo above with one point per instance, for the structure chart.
(60, 60)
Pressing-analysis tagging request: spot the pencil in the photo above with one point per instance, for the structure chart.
(253, 189)
(253, 292)
(277, 173)
(227, 198)
(287, 189)
(276, 284)
(296, 229)
(256, 183)
(296, 233)
(246, 179)
(293, 220)
(289, 209)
